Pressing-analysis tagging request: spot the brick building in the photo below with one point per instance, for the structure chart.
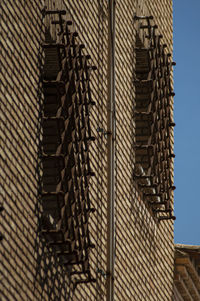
(186, 274)
(86, 150)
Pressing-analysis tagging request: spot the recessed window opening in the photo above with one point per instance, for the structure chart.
(66, 140)
(153, 121)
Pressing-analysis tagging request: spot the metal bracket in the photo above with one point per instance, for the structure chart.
(103, 273)
(142, 17)
(103, 131)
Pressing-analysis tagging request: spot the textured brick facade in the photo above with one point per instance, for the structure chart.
(144, 256)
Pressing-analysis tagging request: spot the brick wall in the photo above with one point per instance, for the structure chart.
(29, 271)
(144, 247)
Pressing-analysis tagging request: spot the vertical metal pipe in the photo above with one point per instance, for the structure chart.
(110, 151)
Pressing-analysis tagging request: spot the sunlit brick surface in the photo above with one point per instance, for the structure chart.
(144, 247)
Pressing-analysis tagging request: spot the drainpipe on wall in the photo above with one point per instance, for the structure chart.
(110, 152)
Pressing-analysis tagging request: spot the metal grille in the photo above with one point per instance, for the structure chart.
(66, 139)
(153, 120)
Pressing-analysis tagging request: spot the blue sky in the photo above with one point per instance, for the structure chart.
(187, 119)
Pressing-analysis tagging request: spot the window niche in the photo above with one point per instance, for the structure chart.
(66, 139)
(153, 171)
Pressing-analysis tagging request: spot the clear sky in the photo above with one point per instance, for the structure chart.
(187, 119)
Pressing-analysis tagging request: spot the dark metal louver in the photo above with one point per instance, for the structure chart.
(66, 139)
(153, 120)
